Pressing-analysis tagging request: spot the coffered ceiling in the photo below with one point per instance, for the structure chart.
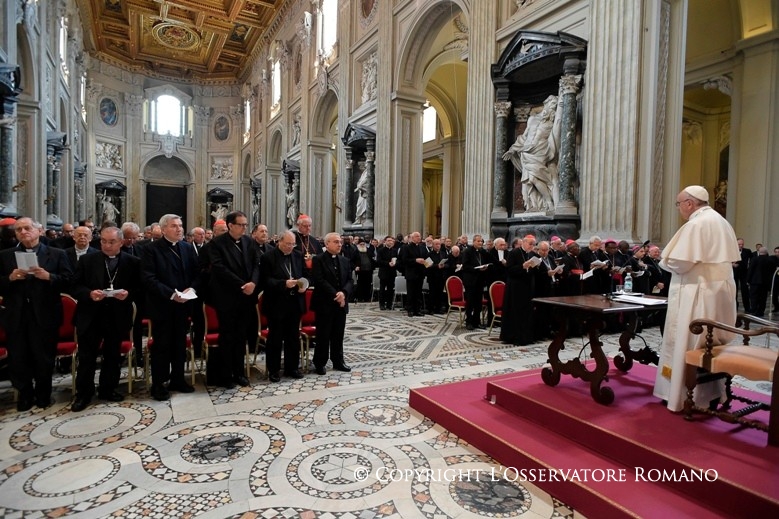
(208, 41)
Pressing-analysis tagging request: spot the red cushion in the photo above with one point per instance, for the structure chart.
(66, 348)
(308, 330)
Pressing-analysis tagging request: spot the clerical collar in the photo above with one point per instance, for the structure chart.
(31, 249)
(335, 256)
(171, 243)
(81, 251)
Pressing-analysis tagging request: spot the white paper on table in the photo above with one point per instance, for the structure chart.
(587, 274)
(26, 260)
(187, 294)
(646, 301)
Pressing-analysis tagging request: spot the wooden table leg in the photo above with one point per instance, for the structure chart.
(644, 355)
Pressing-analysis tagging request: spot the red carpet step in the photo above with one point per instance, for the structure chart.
(621, 450)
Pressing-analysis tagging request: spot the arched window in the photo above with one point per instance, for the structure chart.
(167, 111)
(247, 120)
(275, 88)
(328, 27)
(62, 43)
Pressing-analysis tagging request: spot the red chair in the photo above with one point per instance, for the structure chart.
(455, 294)
(497, 291)
(307, 331)
(190, 353)
(67, 342)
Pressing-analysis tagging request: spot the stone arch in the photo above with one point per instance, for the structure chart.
(426, 25)
(275, 149)
(322, 120)
(168, 188)
(27, 65)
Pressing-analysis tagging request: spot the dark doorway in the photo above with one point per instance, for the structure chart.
(162, 200)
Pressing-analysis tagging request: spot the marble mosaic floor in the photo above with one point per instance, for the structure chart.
(333, 446)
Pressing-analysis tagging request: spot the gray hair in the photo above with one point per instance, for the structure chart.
(164, 219)
(130, 226)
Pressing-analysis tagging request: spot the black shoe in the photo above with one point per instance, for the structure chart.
(242, 381)
(342, 367)
(226, 385)
(418, 314)
(181, 387)
(159, 392)
(274, 377)
(469, 327)
(111, 396)
(382, 307)
(294, 374)
(43, 402)
(24, 404)
(80, 403)
(411, 314)
(320, 371)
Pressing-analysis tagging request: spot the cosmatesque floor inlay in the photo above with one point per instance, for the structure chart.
(323, 446)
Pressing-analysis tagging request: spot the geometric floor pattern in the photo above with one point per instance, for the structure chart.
(343, 445)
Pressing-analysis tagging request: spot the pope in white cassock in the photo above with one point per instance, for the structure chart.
(700, 256)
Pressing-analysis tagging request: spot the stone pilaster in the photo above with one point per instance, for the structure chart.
(479, 121)
(500, 181)
(566, 196)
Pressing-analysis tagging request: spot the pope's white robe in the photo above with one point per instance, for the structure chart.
(699, 256)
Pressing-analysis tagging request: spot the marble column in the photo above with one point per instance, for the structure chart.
(479, 119)
(370, 165)
(348, 205)
(79, 172)
(9, 92)
(500, 181)
(566, 197)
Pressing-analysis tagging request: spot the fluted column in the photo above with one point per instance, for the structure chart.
(479, 121)
(566, 201)
(370, 158)
(9, 91)
(610, 144)
(500, 182)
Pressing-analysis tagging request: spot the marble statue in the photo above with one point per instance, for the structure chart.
(535, 155)
(219, 212)
(361, 211)
(292, 212)
(107, 208)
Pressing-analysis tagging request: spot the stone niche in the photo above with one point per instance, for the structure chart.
(110, 202)
(360, 148)
(218, 204)
(538, 83)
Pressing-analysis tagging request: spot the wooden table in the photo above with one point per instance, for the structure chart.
(591, 310)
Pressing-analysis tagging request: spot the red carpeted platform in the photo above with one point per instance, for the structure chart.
(534, 426)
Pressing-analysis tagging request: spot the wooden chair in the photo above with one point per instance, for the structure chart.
(307, 331)
(67, 341)
(497, 290)
(736, 358)
(455, 294)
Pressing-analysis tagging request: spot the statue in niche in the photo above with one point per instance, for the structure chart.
(369, 76)
(109, 209)
(296, 131)
(292, 212)
(535, 155)
(219, 212)
(361, 211)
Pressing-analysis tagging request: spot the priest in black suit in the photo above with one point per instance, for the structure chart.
(283, 302)
(171, 276)
(33, 313)
(105, 286)
(332, 277)
(235, 276)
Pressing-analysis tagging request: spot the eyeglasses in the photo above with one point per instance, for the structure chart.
(682, 201)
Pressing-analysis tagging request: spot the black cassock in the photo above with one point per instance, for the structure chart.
(517, 324)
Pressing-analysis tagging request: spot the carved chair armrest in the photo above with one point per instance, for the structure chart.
(743, 320)
(698, 325)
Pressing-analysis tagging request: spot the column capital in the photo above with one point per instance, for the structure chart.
(521, 113)
(570, 83)
(502, 108)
